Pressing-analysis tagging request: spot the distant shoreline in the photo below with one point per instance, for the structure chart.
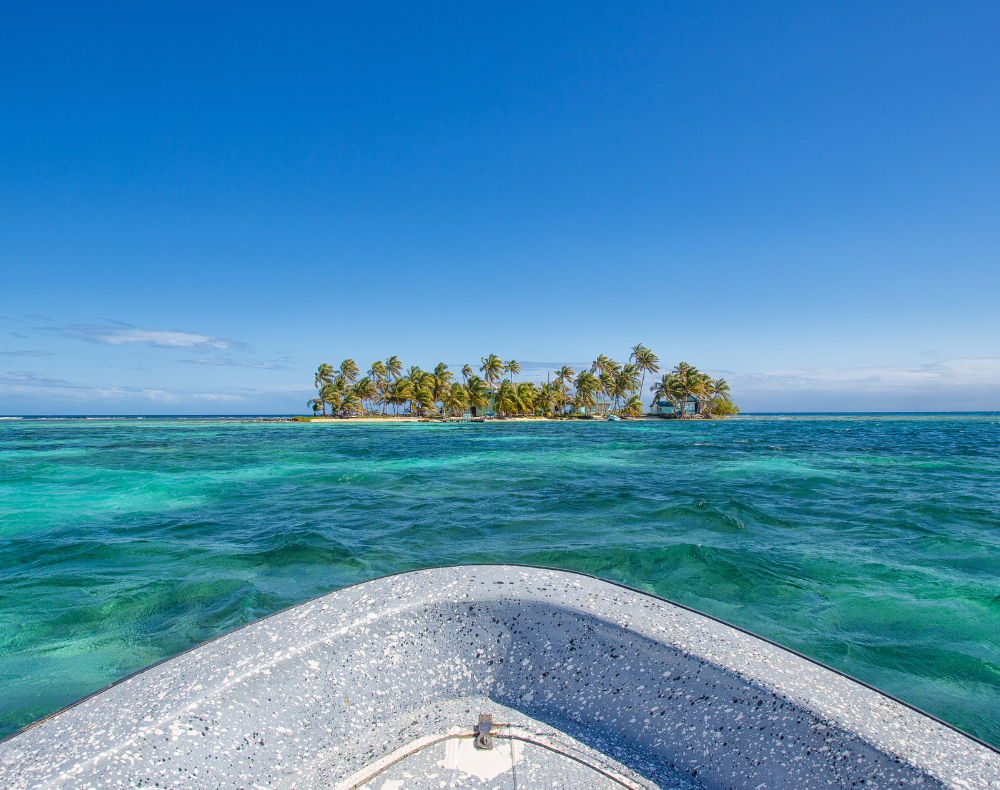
(290, 417)
(458, 421)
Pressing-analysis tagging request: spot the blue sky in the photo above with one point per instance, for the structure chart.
(200, 204)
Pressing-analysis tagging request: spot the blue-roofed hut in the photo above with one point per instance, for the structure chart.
(691, 406)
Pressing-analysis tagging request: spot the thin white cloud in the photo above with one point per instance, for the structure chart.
(218, 397)
(25, 353)
(13, 379)
(946, 385)
(22, 382)
(163, 396)
(126, 335)
(948, 375)
(230, 362)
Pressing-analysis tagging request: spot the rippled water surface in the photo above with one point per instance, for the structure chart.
(871, 544)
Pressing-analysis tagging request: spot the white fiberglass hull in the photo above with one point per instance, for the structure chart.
(589, 684)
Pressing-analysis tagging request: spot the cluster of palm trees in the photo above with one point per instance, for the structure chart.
(606, 387)
(686, 383)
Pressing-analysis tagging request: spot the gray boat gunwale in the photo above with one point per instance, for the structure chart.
(719, 620)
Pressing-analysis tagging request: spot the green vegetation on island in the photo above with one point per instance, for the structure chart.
(607, 388)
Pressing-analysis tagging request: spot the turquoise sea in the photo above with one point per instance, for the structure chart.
(869, 543)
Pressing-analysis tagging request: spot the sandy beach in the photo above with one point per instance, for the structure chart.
(354, 420)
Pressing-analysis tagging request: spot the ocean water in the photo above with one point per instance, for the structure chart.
(871, 544)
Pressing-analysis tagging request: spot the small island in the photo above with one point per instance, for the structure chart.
(607, 389)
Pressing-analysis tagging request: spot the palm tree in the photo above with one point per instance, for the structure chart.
(700, 388)
(392, 368)
(442, 381)
(645, 362)
(423, 400)
(351, 403)
(671, 387)
(381, 392)
(324, 375)
(398, 393)
(613, 369)
(404, 390)
(719, 399)
(379, 378)
(688, 381)
(625, 381)
(545, 398)
(560, 400)
(586, 389)
(606, 385)
(492, 369)
(659, 390)
(678, 392)
(365, 390)
(632, 407)
(692, 382)
(600, 365)
(466, 372)
(505, 400)
(455, 400)
(512, 367)
(632, 377)
(377, 372)
(330, 393)
(477, 392)
(418, 380)
(564, 374)
(720, 389)
(526, 393)
(349, 370)
(712, 395)
(679, 378)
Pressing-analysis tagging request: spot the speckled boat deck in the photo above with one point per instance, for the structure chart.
(589, 684)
